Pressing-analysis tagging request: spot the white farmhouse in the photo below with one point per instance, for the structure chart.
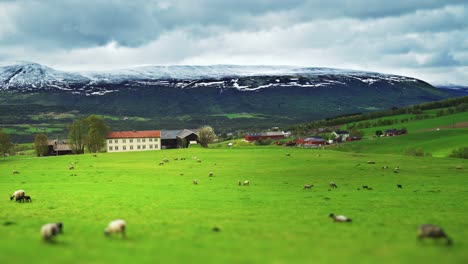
(123, 141)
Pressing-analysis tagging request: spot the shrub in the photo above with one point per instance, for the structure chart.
(460, 153)
(263, 142)
(419, 152)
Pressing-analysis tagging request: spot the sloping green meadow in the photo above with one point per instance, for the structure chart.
(274, 220)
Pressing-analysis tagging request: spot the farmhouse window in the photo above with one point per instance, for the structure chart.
(124, 141)
(138, 147)
(151, 146)
(110, 148)
(131, 140)
(116, 147)
(143, 140)
(116, 141)
(124, 147)
(156, 146)
(138, 140)
(150, 140)
(144, 146)
(110, 141)
(131, 147)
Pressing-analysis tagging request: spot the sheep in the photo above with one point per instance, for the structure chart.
(211, 174)
(333, 185)
(198, 160)
(48, 231)
(71, 167)
(339, 218)
(308, 186)
(116, 226)
(370, 162)
(397, 168)
(385, 167)
(246, 183)
(165, 160)
(16, 172)
(176, 158)
(459, 167)
(239, 183)
(432, 231)
(27, 198)
(182, 158)
(399, 186)
(365, 187)
(161, 163)
(288, 154)
(195, 182)
(17, 194)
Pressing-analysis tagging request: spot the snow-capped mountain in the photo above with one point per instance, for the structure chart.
(33, 77)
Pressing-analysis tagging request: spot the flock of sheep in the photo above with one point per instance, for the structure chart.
(50, 230)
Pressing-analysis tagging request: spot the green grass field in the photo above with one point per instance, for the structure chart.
(274, 220)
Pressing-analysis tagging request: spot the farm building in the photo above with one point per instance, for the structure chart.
(341, 134)
(395, 132)
(58, 147)
(122, 141)
(310, 142)
(181, 138)
(265, 135)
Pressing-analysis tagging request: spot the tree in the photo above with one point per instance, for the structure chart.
(41, 145)
(379, 133)
(78, 135)
(97, 130)
(5, 143)
(206, 135)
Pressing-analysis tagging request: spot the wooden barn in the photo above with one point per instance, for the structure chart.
(178, 138)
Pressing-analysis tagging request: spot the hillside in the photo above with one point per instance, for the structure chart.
(436, 136)
(226, 97)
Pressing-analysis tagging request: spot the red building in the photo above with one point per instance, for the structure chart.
(264, 135)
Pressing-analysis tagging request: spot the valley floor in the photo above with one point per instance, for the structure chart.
(274, 220)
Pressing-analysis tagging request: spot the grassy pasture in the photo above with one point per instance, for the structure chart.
(271, 221)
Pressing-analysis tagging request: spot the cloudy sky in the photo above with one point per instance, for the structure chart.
(427, 39)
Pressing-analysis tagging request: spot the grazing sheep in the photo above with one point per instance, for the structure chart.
(216, 229)
(17, 194)
(71, 167)
(176, 158)
(116, 226)
(246, 183)
(239, 183)
(459, 167)
(161, 163)
(211, 174)
(165, 160)
(399, 186)
(199, 161)
(432, 231)
(333, 185)
(288, 154)
(339, 218)
(397, 168)
(365, 187)
(371, 162)
(27, 198)
(16, 172)
(385, 167)
(48, 231)
(182, 158)
(195, 182)
(370, 189)
(308, 186)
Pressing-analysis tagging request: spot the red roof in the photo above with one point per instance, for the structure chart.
(135, 134)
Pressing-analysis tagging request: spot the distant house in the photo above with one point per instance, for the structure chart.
(265, 135)
(341, 134)
(311, 142)
(180, 138)
(122, 141)
(395, 132)
(58, 147)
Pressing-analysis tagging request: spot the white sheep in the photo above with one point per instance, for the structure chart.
(116, 226)
(211, 174)
(308, 186)
(246, 183)
(18, 195)
(48, 231)
(195, 182)
(339, 218)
